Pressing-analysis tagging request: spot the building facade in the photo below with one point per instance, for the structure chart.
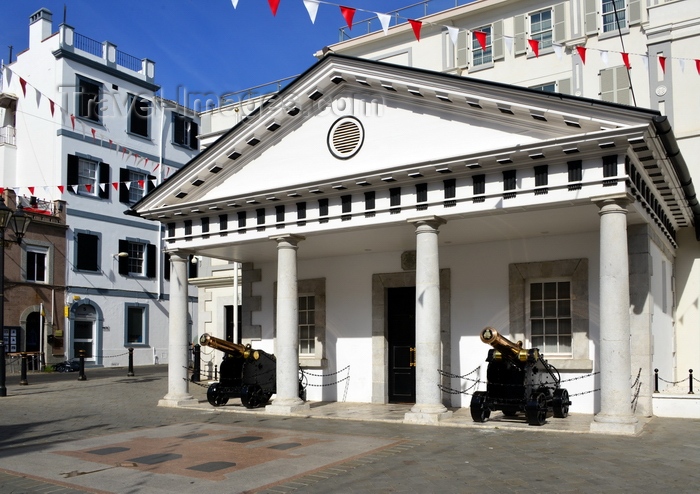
(385, 214)
(88, 129)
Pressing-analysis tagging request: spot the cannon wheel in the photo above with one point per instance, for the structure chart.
(480, 412)
(560, 403)
(253, 396)
(536, 409)
(215, 397)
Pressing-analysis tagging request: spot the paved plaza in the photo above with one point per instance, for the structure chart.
(106, 434)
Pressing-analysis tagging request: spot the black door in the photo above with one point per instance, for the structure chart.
(401, 325)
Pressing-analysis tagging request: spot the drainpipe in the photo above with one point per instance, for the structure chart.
(668, 139)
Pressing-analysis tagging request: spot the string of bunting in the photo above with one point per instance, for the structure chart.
(98, 138)
(348, 14)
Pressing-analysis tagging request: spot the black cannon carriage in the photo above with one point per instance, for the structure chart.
(244, 373)
(518, 380)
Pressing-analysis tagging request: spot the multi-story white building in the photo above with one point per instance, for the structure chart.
(88, 128)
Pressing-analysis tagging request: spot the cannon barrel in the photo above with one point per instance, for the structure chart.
(225, 346)
(507, 349)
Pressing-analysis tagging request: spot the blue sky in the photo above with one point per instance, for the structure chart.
(206, 46)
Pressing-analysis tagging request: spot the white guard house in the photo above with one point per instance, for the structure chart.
(387, 214)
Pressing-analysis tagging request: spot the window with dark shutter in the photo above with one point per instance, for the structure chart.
(575, 174)
(241, 221)
(205, 227)
(166, 266)
(323, 210)
(88, 99)
(103, 187)
(346, 207)
(301, 213)
(72, 170)
(479, 184)
(188, 227)
(395, 200)
(171, 230)
(123, 261)
(139, 114)
(509, 183)
(370, 203)
(421, 196)
(610, 169)
(450, 192)
(151, 261)
(223, 224)
(123, 189)
(541, 179)
(87, 252)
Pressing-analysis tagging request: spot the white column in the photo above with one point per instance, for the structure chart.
(428, 407)
(615, 416)
(178, 345)
(287, 400)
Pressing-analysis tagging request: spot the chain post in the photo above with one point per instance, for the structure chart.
(23, 372)
(130, 372)
(690, 379)
(656, 380)
(197, 363)
(215, 373)
(81, 373)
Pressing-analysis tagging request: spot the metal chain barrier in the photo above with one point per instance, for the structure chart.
(305, 375)
(111, 356)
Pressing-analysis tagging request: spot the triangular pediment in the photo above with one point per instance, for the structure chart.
(347, 119)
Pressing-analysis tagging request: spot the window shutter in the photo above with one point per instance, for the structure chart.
(622, 86)
(178, 129)
(497, 42)
(194, 132)
(123, 261)
(559, 28)
(462, 48)
(635, 11)
(151, 261)
(166, 266)
(123, 190)
(151, 181)
(72, 170)
(192, 270)
(590, 19)
(86, 252)
(607, 85)
(519, 43)
(104, 180)
(564, 86)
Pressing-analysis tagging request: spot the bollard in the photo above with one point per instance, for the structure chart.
(23, 370)
(81, 374)
(690, 379)
(216, 378)
(130, 372)
(3, 375)
(656, 380)
(197, 364)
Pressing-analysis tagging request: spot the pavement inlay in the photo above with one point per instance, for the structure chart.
(189, 457)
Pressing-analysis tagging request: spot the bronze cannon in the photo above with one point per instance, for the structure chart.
(518, 380)
(244, 373)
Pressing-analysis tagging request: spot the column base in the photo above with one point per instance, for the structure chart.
(175, 401)
(615, 424)
(427, 414)
(287, 407)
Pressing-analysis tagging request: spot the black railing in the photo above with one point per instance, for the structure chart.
(92, 46)
(690, 380)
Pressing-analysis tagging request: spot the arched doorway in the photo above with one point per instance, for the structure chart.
(33, 332)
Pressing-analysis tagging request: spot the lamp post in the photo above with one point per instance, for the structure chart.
(19, 222)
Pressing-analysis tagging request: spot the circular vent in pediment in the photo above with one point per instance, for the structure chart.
(346, 137)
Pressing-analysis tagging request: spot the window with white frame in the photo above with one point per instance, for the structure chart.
(140, 259)
(549, 87)
(136, 258)
(87, 177)
(614, 15)
(185, 131)
(307, 325)
(541, 28)
(37, 268)
(549, 316)
(482, 56)
(138, 186)
(136, 324)
(139, 116)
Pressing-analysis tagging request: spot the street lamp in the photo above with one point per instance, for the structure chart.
(19, 222)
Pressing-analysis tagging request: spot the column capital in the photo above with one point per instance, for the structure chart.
(620, 200)
(178, 255)
(432, 221)
(287, 240)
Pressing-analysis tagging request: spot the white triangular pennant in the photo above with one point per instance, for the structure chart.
(385, 20)
(8, 76)
(681, 62)
(312, 9)
(558, 50)
(509, 43)
(604, 57)
(645, 61)
(235, 3)
(128, 185)
(454, 34)
(38, 97)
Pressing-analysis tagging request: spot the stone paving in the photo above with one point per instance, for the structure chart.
(106, 434)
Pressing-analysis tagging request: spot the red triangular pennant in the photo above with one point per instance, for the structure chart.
(697, 65)
(156, 166)
(348, 13)
(115, 185)
(582, 53)
(93, 134)
(535, 45)
(273, 6)
(31, 190)
(61, 189)
(626, 60)
(481, 38)
(416, 25)
(72, 120)
(662, 62)
(51, 105)
(141, 183)
(23, 83)
(88, 187)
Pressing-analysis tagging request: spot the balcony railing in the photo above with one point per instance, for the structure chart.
(88, 45)
(97, 48)
(7, 135)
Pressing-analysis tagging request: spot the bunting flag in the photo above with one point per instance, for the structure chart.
(558, 50)
(385, 20)
(23, 83)
(72, 120)
(604, 57)
(115, 185)
(582, 54)
(273, 5)
(88, 187)
(38, 98)
(31, 190)
(509, 44)
(535, 45)
(156, 167)
(662, 62)
(626, 60)
(348, 14)
(645, 61)
(697, 66)
(235, 3)
(94, 138)
(312, 9)
(481, 38)
(61, 188)
(416, 25)
(454, 34)
(51, 105)
(141, 183)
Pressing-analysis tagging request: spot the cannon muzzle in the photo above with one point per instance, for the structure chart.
(506, 348)
(226, 346)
